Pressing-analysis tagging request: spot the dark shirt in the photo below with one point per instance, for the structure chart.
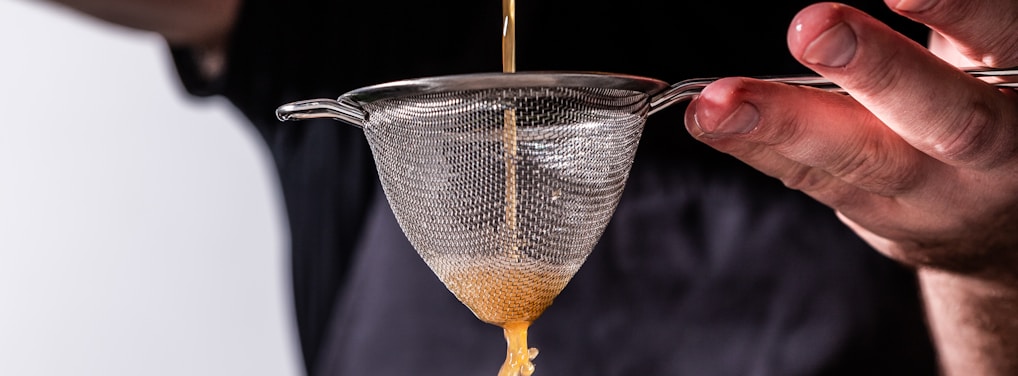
(707, 268)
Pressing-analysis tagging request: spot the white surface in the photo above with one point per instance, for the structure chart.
(141, 231)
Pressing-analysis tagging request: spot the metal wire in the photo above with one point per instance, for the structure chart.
(446, 168)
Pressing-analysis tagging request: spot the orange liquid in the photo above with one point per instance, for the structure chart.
(508, 36)
(518, 357)
(509, 297)
(509, 128)
(501, 292)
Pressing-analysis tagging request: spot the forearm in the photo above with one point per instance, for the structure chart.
(974, 323)
(201, 23)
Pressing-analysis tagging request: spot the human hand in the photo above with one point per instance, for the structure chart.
(921, 160)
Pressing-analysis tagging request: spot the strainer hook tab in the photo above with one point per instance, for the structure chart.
(322, 108)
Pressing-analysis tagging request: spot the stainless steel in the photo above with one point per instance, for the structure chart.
(322, 108)
(688, 89)
(348, 108)
(505, 182)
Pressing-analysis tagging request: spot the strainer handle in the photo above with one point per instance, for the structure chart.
(322, 108)
(688, 89)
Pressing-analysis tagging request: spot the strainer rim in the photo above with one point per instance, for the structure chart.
(492, 80)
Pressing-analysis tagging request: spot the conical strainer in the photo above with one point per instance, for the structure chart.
(505, 182)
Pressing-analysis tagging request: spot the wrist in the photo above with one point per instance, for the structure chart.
(973, 320)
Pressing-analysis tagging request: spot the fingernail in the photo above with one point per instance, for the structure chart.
(914, 5)
(742, 120)
(833, 48)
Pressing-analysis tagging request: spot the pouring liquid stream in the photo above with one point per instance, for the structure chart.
(518, 355)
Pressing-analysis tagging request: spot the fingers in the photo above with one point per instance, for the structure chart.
(983, 30)
(936, 108)
(919, 158)
(825, 145)
(945, 50)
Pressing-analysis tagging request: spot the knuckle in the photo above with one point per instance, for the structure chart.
(951, 12)
(881, 78)
(1002, 52)
(972, 137)
(877, 168)
(781, 133)
(806, 179)
(995, 46)
(968, 21)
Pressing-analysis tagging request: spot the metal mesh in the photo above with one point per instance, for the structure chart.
(505, 219)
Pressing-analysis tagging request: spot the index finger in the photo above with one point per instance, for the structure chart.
(935, 107)
(982, 30)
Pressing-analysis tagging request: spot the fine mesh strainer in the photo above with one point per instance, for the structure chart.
(503, 183)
